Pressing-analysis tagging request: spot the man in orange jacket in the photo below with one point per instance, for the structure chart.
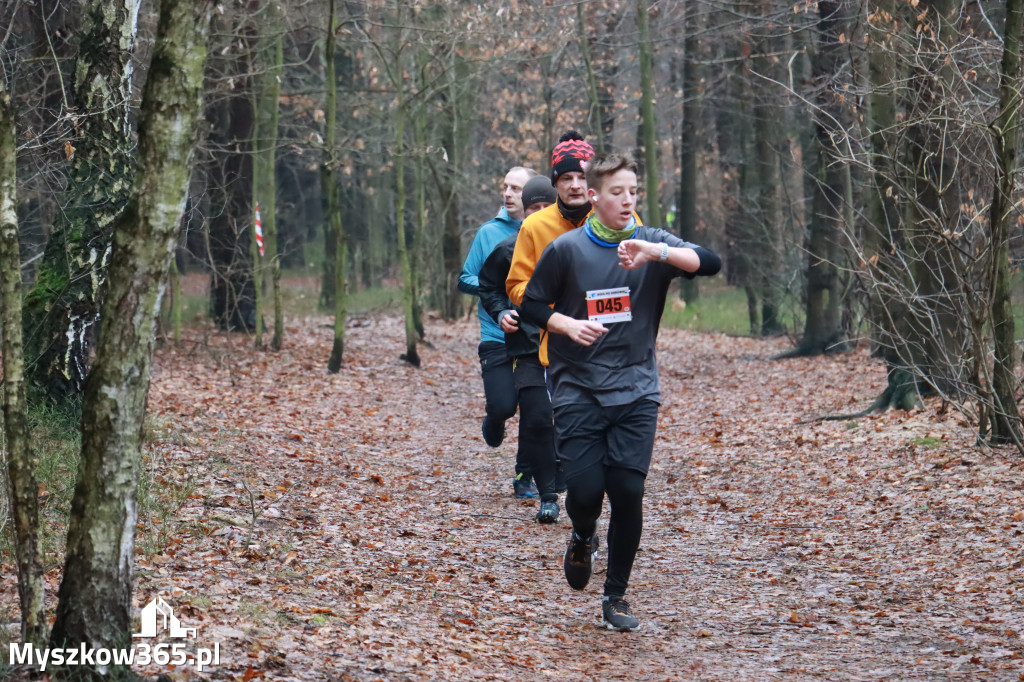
(568, 163)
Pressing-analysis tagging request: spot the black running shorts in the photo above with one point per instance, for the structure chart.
(588, 435)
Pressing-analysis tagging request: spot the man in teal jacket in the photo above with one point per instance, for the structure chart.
(501, 398)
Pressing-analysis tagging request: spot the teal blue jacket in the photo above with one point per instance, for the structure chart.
(487, 237)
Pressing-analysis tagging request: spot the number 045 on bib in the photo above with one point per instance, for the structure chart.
(608, 305)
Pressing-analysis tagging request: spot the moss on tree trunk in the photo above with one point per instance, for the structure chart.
(95, 592)
(63, 308)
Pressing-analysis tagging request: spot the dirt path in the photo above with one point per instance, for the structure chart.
(356, 527)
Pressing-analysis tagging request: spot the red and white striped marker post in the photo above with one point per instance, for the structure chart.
(259, 229)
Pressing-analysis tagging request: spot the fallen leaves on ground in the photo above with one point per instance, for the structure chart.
(354, 526)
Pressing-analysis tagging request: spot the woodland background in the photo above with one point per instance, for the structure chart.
(854, 163)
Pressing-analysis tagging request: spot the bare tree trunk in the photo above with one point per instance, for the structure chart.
(422, 226)
(176, 303)
(886, 252)
(269, 58)
(411, 355)
(346, 207)
(39, 77)
(733, 124)
(445, 180)
(650, 126)
(257, 260)
(20, 464)
(331, 191)
(686, 212)
(595, 113)
(882, 212)
(822, 323)
(229, 181)
(1006, 426)
(377, 261)
(929, 342)
(758, 218)
(460, 103)
(94, 605)
(914, 285)
(769, 212)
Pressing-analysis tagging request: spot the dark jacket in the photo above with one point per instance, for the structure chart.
(494, 300)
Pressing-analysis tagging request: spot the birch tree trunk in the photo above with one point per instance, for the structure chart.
(64, 304)
(20, 464)
(94, 605)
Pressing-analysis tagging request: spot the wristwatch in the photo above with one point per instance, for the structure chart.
(664, 253)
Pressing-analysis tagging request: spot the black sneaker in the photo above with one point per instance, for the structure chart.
(548, 512)
(524, 487)
(616, 615)
(494, 431)
(579, 560)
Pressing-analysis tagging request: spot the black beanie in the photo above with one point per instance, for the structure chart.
(570, 154)
(538, 188)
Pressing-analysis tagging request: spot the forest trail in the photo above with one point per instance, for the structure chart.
(384, 542)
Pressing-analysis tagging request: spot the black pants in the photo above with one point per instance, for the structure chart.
(607, 450)
(500, 395)
(536, 431)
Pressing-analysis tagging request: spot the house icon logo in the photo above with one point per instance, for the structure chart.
(152, 614)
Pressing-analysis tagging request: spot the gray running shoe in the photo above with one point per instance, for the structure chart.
(616, 615)
(548, 512)
(524, 487)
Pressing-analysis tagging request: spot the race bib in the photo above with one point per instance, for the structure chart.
(609, 305)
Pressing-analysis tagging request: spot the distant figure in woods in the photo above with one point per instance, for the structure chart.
(608, 283)
(536, 433)
(500, 395)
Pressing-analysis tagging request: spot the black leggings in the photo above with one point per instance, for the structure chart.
(625, 488)
(537, 437)
(496, 371)
(500, 395)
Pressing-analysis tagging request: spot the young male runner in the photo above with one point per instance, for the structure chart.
(608, 283)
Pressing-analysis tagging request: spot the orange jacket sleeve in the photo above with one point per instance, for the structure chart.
(524, 260)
